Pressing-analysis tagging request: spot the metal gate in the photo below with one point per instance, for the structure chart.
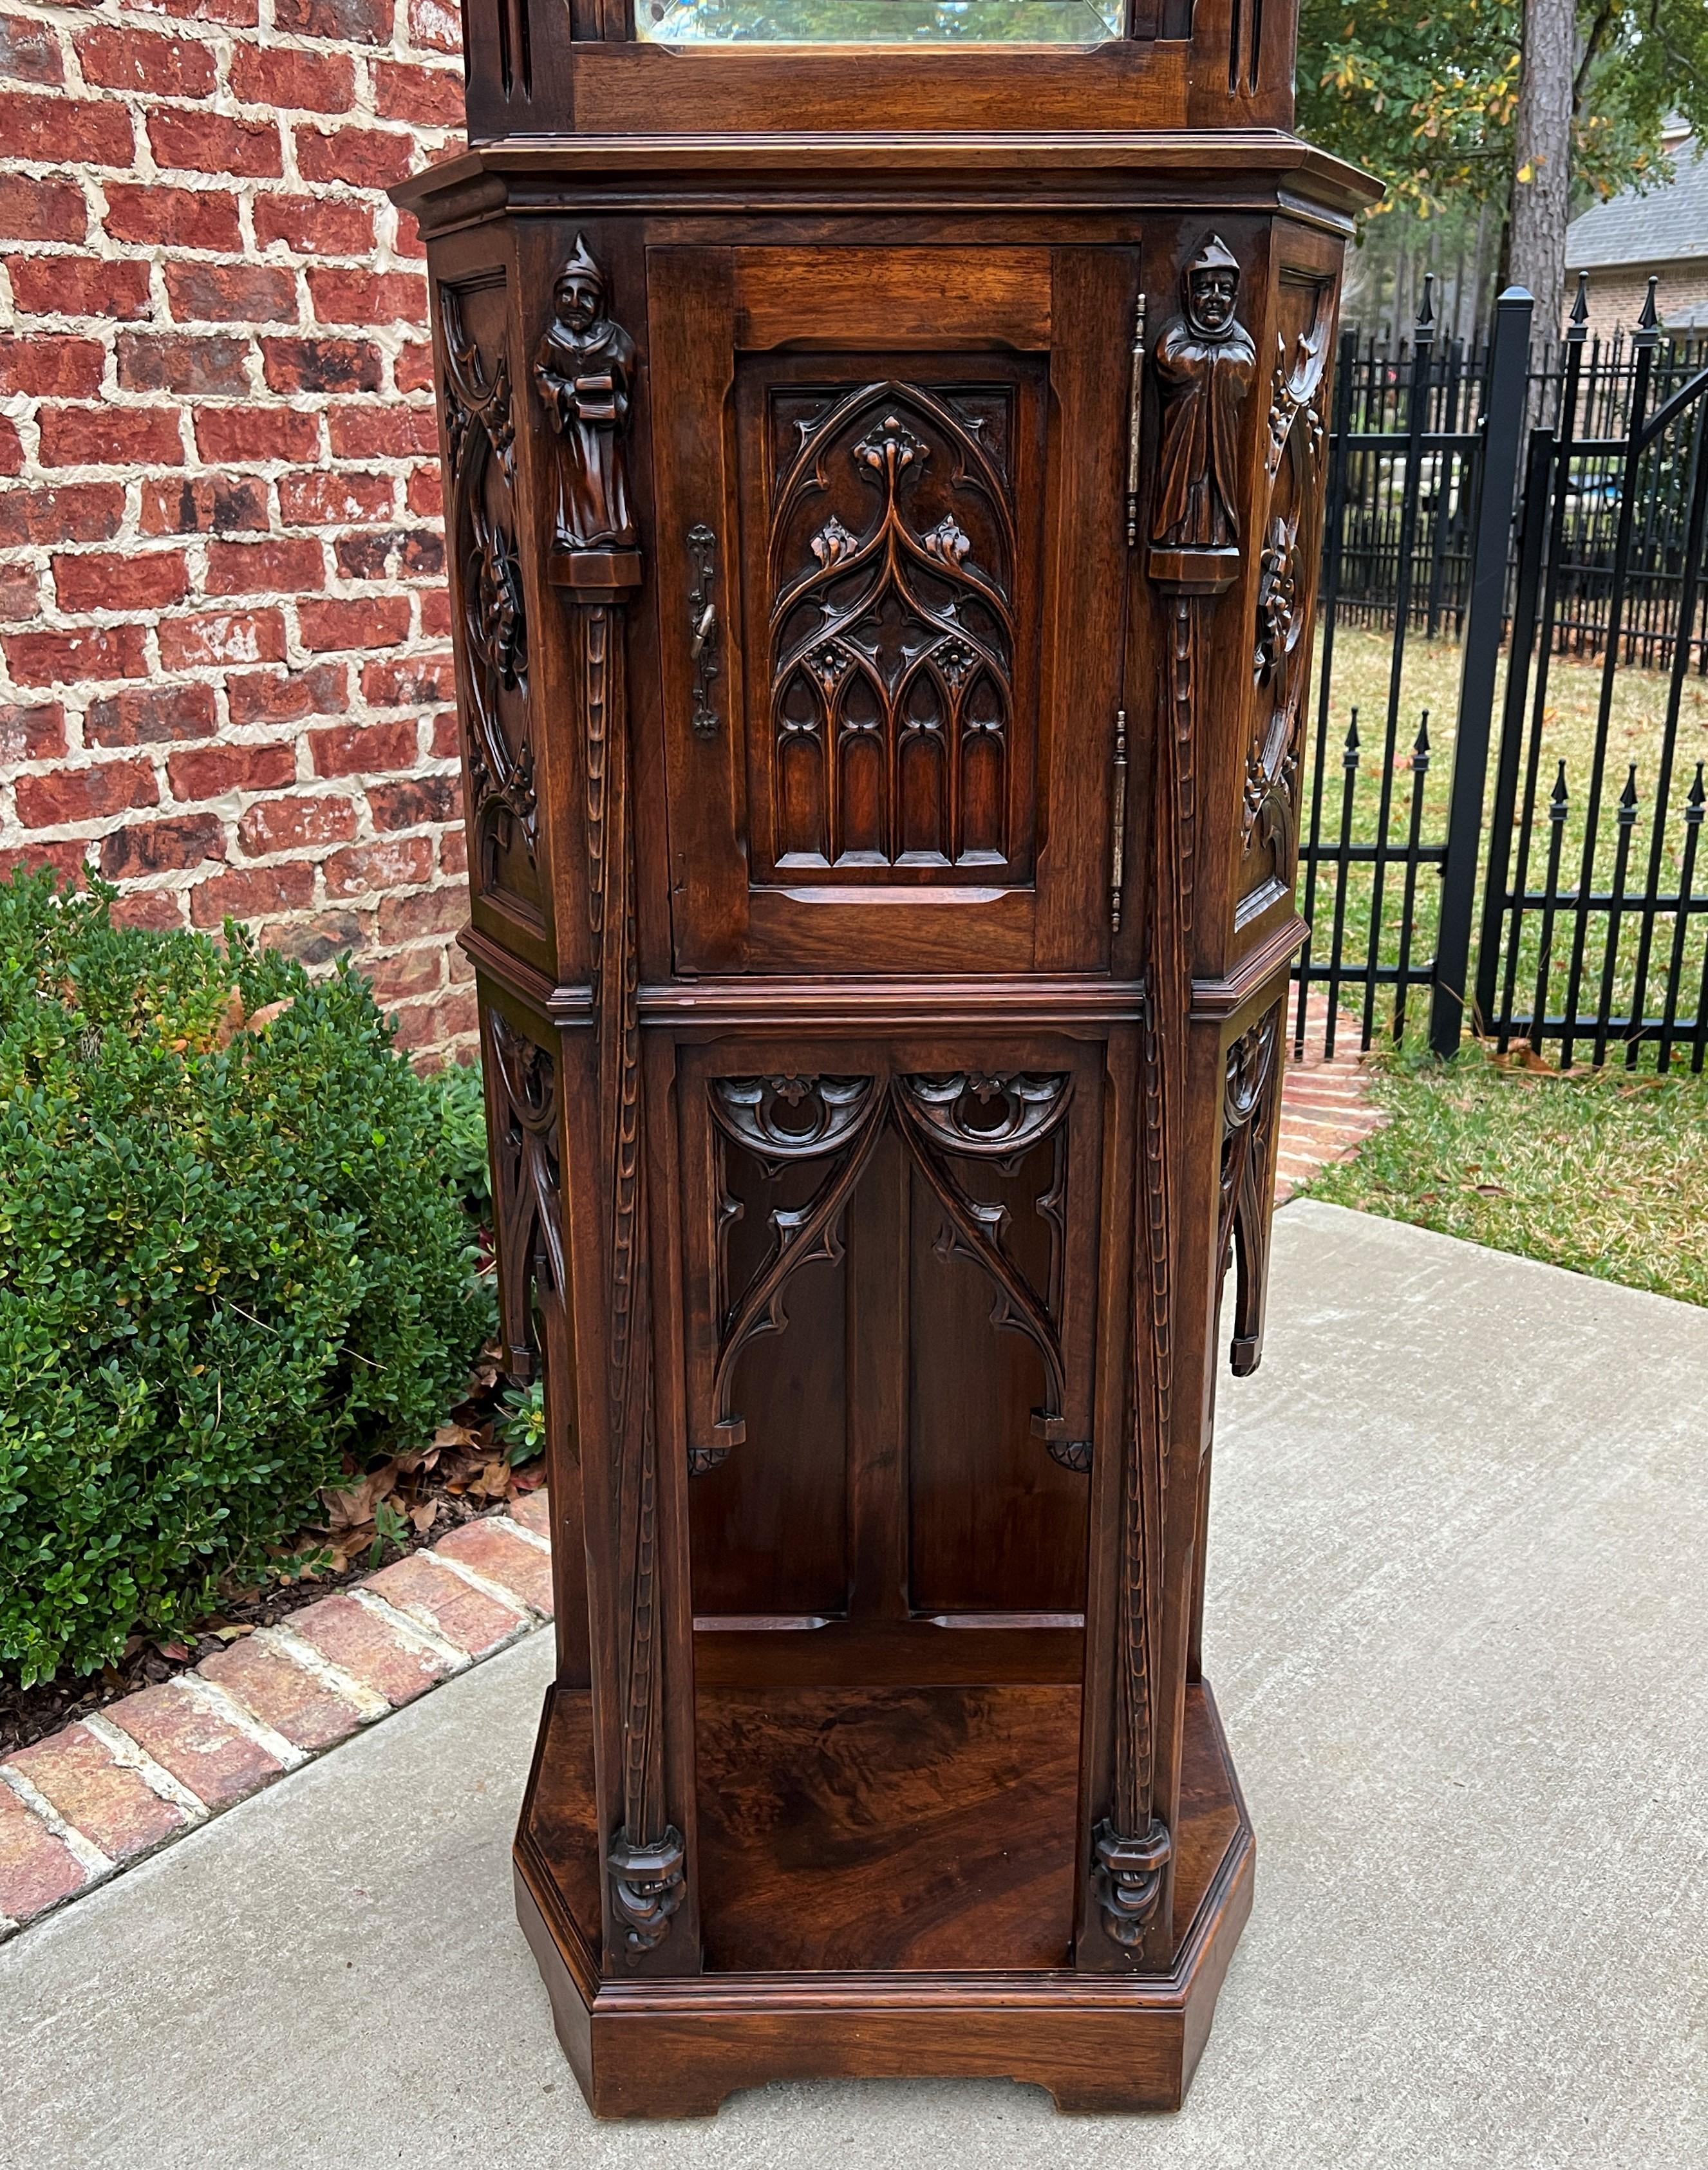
(1570, 917)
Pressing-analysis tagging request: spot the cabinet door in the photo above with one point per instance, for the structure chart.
(892, 476)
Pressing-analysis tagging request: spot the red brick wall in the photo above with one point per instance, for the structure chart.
(1616, 295)
(223, 671)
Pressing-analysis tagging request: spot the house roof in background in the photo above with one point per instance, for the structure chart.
(1667, 226)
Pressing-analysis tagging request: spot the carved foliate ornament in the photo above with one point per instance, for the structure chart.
(480, 435)
(1250, 1101)
(528, 1200)
(1292, 456)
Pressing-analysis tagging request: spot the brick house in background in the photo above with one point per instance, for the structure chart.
(224, 669)
(1621, 241)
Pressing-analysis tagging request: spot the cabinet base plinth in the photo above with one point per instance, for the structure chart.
(678, 2046)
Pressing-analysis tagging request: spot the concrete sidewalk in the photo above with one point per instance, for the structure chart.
(1458, 1632)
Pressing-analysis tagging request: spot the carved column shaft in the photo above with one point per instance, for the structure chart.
(583, 373)
(1203, 362)
(645, 1852)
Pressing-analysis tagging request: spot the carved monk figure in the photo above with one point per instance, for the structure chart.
(1205, 363)
(583, 372)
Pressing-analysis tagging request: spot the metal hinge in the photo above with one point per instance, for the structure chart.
(1135, 401)
(1117, 838)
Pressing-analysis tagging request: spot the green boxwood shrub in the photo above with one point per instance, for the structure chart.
(227, 1253)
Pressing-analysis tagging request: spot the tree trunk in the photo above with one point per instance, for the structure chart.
(1542, 158)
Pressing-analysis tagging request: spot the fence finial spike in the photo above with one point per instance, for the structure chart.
(1419, 744)
(1579, 309)
(1694, 803)
(1559, 797)
(1426, 307)
(1649, 317)
(1351, 755)
(1628, 797)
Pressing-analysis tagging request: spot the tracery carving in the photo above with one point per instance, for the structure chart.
(893, 647)
(1250, 1099)
(480, 435)
(584, 372)
(995, 1116)
(791, 1117)
(969, 1115)
(527, 1190)
(942, 1121)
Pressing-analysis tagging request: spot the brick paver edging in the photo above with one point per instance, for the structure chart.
(107, 1789)
(1326, 1111)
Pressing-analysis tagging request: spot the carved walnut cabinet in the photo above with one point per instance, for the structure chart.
(883, 444)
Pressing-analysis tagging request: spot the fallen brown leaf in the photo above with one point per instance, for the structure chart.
(352, 1503)
(231, 1022)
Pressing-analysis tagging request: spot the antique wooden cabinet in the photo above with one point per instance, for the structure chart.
(884, 483)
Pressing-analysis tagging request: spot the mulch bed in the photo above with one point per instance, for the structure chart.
(385, 1509)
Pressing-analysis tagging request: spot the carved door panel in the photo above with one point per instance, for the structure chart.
(891, 1333)
(890, 562)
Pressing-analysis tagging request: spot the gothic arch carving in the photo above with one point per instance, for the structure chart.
(945, 1122)
(892, 630)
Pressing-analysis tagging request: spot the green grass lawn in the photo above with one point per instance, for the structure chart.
(1604, 1173)
(1430, 684)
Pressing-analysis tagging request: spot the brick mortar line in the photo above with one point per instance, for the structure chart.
(409, 1631)
(307, 248)
(1326, 1111)
(519, 1529)
(511, 1599)
(219, 1703)
(96, 1865)
(368, 1705)
(130, 1754)
(426, 1640)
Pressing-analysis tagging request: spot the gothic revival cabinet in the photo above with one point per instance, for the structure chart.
(883, 484)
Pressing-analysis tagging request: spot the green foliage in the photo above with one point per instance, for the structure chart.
(522, 1425)
(227, 1253)
(463, 1138)
(1599, 1171)
(1422, 100)
(1426, 100)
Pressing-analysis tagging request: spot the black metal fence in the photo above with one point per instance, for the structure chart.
(1503, 789)
(1385, 386)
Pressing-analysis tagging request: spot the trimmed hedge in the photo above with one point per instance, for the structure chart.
(228, 1252)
